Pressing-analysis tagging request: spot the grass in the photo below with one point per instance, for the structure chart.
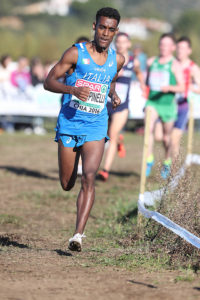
(112, 235)
(10, 219)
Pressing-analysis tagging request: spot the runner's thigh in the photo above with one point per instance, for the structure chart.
(91, 154)
(118, 121)
(67, 161)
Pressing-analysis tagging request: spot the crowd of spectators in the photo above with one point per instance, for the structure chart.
(21, 75)
(24, 72)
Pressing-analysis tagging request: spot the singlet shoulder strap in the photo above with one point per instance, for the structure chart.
(171, 61)
(156, 59)
(80, 46)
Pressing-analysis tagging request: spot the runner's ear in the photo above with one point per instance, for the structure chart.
(94, 26)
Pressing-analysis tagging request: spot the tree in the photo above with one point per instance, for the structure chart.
(188, 23)
(86, 11)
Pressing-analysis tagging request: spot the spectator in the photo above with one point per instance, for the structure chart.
(4, 68)
(142, 57)
(21, 77)
(37, 71)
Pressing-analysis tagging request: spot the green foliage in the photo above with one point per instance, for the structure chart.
(44, 36)
(49, 36)
(10, 219)
(87, 10)
(188, 23)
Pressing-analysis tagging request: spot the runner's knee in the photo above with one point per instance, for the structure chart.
(166, 138)
(67, 185)
(114, 137)
(88, 179)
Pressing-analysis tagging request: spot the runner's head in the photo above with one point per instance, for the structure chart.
(183, 48)
(122, 42)
(167, 44)
(106, 26)
(82, 39)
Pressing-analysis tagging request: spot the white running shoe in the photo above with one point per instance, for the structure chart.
(75, 243)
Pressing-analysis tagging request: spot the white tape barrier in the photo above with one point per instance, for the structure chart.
(183, 233)
(150, 198)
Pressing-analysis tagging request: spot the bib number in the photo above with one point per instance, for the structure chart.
(96, 100)
(158, 79)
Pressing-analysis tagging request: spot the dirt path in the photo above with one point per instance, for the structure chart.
(48, 276)
(36, 220)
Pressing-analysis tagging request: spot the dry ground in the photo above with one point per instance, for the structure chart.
(37, 218)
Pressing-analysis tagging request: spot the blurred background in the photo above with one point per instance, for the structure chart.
(47, 28)
(34, 34)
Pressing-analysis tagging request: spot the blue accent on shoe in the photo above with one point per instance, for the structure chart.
(149, 168)
(165, 172)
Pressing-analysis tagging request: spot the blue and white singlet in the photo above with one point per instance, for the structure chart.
(88, 118)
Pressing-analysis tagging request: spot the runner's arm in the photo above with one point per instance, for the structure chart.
(149, 63)
(195, 87)
(179, 87)
(67, 62)
(112, 93)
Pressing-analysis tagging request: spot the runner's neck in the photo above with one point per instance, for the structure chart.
(99, 58)
(165, 59)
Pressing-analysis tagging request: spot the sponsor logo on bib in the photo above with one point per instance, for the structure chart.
(96, 99)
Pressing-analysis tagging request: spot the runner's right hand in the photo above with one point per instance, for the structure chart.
(81, 93)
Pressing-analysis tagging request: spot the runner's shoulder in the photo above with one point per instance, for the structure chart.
(176, 65)
(150, 60)
(71, 54)
(195, 67)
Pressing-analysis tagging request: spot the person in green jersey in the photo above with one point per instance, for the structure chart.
(164, 79)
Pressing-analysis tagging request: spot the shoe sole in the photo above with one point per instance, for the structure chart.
(75, 246)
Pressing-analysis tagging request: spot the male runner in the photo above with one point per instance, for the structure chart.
(164, 80)
(91, 71)
(118, 117)
(191, 73)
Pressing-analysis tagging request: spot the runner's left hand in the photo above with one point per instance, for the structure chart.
(116, 101)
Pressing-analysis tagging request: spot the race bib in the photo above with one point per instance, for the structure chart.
(96, 99)
(158, 79)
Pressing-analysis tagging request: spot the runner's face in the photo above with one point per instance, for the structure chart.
(105, 30)
(183, 50)
(122, 44)
(166, 46)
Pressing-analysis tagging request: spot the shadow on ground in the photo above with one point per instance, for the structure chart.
(144, 284)
(25, 172)
(124, 174)
(129, 215)
(7, 241)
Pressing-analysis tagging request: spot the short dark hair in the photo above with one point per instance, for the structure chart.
(82, 39)
(169, 35)
(185, 39)
(122, 34)
(3, 59)
(109, 12)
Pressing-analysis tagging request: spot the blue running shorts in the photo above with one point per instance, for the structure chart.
(74, 141)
